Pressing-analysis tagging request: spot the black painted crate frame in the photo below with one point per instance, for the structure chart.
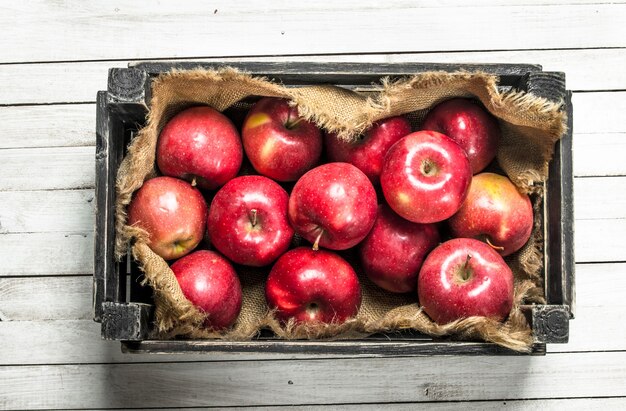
(125, 309)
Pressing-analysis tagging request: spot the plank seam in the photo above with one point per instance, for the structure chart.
(334, 404)
(371, 53)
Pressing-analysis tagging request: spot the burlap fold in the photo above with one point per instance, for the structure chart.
(530, 125)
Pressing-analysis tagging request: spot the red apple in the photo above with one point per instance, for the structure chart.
(425, 177)
(368, 151)
(248, 221)
(495, 212)
(464, 277)
(280, 144)
(313, 286)
(469, 124)
(394, 250)
(333, 206)
(172, 212)
(200, 144)
(211, 284)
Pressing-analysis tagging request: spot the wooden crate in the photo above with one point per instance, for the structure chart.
(125, 308)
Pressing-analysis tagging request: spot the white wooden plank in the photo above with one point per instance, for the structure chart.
(601, 286)
(599, 154)
(46, 126)
(45, 298)
(589, 404)
(45, 211)
(46, 254)
(600, 198)
(144, 30)
(312, 382)
(600, 240)
(599, 139)
(599, 113)
(77, 82)
(47, 168)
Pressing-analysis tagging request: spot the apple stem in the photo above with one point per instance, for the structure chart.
(428, 168)
(316, 244)
(467, 260)
(466, 268)
(253, 217)
(193, 182)
(289, 124)
(495, 247)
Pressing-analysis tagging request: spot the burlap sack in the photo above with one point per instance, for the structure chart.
(530, 127)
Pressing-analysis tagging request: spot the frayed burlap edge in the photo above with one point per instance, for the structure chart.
(514, 333)
(176, 316)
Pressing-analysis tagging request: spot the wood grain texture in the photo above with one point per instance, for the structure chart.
(62, 341)
(589, 404)
(69, 32)
(46, 211)
(55, 168)
(46, 254)
(311, 382)
(52, 83)
(45, 298)
(599, 113)
(600, 240)
(46, 126)
(599, 154)
(600, 198)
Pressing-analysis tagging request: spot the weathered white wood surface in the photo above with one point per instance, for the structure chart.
(143, 29)
(49, 298)
(46, 126)
(48, 168)
(47, 253)
(46, 211)
(313, 381)
(514, 405)
(55, 56)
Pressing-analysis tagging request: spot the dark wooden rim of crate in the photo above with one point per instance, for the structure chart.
(126, 315)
